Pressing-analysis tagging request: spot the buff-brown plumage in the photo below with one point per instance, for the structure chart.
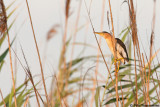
(120, 48)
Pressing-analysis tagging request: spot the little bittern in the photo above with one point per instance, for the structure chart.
(120, 47)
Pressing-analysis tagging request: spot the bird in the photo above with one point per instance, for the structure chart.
(120, 47)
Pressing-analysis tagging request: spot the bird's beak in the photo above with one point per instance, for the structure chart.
(100, 33)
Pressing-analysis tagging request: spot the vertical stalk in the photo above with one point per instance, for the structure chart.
(99, 46)
(151, 46)
(38, 54)
(10, 57)
(144, 72)
(74, 39)
(115, 56)
(135, 75)
(98, 54)
(122, 95)
(4, 29)
(2, 98)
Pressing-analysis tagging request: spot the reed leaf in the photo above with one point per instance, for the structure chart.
(97, 96)
(113, 100)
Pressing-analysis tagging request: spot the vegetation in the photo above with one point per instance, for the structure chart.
(74, 83)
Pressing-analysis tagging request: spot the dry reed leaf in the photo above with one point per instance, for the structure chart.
(108, 19)
(152, 57)
(52, 32)
(3, 18)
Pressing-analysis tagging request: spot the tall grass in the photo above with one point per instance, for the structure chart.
(136, 83)
(4, 29)
(44, 84)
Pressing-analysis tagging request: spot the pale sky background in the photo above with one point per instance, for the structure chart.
(47, 13)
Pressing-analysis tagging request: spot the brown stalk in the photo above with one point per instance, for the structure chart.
(144, 75)
(12, 69)
(65, 32)
(75, 34)
(122, 94)
(51, 33)
(147, 81)
(155, 54)
(3, 29)
(26, 102)
(38, 54)
(156, 70)
(135, 40)
(60, 94)
(30, 77)
(74, 39)
(98, 54)
(2, 98)
(158, 80)
(115, 56)
(63, 71)
(64, 46)
(99, 45)
(151, 46)
(156, 89)
(28, 73)
(15, 62)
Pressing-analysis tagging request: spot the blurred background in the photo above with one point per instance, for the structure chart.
(79, 86)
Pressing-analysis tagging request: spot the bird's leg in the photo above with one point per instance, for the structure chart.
(117, 60)
(118, 65)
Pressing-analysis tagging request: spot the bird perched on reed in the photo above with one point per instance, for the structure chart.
(120, 47)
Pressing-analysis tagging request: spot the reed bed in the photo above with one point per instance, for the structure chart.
(78, 80)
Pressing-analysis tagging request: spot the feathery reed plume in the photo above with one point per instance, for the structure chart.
(3, 29)
(133, 22)
(3, 18)
(67, 7)
(52, 32)
(133, 25)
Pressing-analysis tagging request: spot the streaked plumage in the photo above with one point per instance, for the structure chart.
(121, 50)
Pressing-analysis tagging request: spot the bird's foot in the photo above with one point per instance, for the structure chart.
(118, 65)
(120, 59)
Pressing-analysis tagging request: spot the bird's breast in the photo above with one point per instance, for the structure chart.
(110, 44)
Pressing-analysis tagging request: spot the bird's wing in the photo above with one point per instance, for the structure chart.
(121, 48)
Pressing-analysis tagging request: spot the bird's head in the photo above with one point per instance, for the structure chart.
(103, 34)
